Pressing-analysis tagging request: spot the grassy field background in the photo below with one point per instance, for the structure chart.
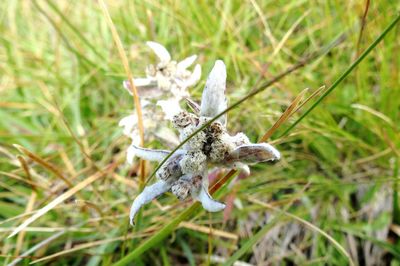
(61, 98)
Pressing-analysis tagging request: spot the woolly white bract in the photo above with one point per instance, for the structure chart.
(185, 172)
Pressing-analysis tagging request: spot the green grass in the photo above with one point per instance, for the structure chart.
(62, 98)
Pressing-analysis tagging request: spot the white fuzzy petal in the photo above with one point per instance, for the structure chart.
(161, 52)
(144, 103)
(253, 153)
(207, 202)
(194, 78)
(143, 82)
(149, 154)
(213, 100)
(147, 195)
(145, 87)
(243, 167)
(269, 149)
(130, 155)
(128, 123)
(170, 107)
(187, 62)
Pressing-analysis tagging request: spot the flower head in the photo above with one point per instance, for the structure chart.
(168, 79)
(185, 173)
(166, 84)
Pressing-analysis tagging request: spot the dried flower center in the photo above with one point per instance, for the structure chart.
(171, 170)
(184, 119)
(185, 186)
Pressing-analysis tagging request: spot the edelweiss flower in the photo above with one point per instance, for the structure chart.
(185, 172)
(155, 127)
(168, 78)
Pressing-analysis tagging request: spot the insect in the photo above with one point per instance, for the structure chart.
(185, 172)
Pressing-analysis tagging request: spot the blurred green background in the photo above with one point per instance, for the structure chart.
(61, 98)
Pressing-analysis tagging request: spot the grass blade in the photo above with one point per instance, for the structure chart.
(128, 72)
(125, 63)
(159, 236)
(53, 6)
(265, 229)
(339, 247)
(36, 247)
(43, 163)
(346, 73)
(254, 239)
(60, 199)
(288, 112)
(21, 236)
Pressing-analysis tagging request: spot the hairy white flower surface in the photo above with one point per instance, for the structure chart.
(193, 162)
(213, 100)
(147, 195)
(160, 51)
(185, 172)
(220, 147)
(129, 123)
(165, 85)
(182, 188)
(148, 154)
(170, 107)
(171, 170)
(207, 201)
(167, 78)
(196, 142)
